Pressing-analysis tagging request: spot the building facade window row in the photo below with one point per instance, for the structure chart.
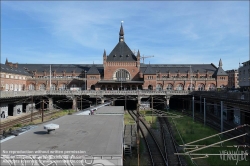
(13, 76)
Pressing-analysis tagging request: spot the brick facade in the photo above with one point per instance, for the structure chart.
(121, 61)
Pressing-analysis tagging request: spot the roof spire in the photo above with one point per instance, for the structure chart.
(6, 62)
(104, 53)
(138, 53)
(220, 63)
(121, 34)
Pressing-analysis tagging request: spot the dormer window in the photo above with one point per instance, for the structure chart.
(114, 55)
(128, 55)
(120, 55)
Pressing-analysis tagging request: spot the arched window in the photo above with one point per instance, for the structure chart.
(201, 87)
(121, 75)
(92, 87)
(179, 87)
(63, 86)
(19, 87)
(158, 87)
(109, 87)
(150, 87)
(212, 87)
(15, 87)
(191, 87)
(42, 87)
(170, 87)
(103, 87)
(31, 87)
(11, 87)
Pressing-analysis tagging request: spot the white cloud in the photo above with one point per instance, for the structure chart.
(201, 31)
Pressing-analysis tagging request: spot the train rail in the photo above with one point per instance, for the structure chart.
(23, 120)
(170, 146)
(155, 153)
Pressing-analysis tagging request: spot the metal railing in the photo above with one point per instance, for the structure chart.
(11, 94)
(242, 96)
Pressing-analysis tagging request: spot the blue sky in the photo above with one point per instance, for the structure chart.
(182, 32)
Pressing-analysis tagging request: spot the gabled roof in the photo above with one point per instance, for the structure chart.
(93, 70)
(149, 70)
(219, 71)
(121, 52)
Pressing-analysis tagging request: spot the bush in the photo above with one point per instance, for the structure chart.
(18, 125)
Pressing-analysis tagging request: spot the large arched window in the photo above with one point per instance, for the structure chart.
(158, 87)
(121, 75)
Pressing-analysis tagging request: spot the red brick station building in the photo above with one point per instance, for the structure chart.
(121, 70)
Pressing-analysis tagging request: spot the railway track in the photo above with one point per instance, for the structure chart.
(156, 155)
(170, 146)
(23, 120)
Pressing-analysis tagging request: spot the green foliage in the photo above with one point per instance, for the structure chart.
(128, 119)
(191, 131)
(18, 125)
